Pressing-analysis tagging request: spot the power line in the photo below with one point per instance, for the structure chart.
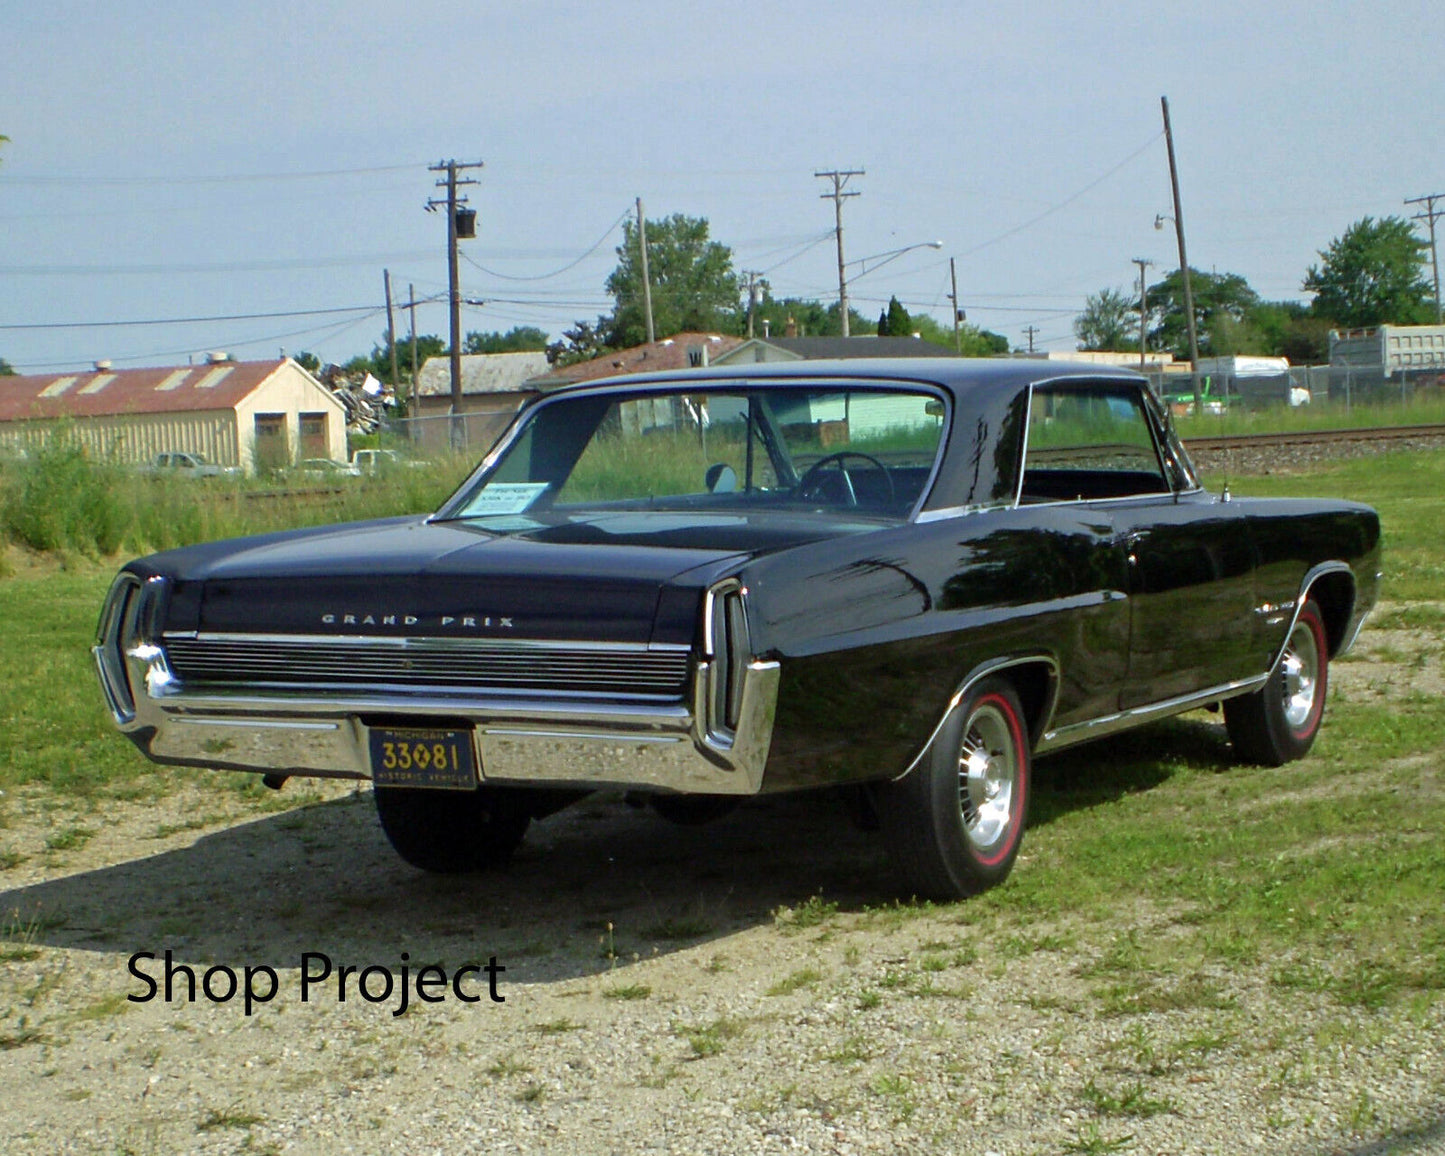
(320, 332)
(556, 272)
(188, 320)
(1066, 201)
(216, 267)
(220, 179)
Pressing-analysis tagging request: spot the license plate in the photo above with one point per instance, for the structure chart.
(422, 757)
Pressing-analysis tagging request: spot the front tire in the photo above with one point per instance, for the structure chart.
(953, 826)
(453, 832)
(1279, 722)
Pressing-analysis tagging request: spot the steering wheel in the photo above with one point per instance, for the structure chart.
(812, 477)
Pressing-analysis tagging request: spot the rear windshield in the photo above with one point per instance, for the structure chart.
(824, 449)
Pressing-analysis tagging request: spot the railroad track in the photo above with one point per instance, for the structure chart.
(1381, 435)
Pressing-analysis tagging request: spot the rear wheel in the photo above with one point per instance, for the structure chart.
(1279, 722)
(451, 832)
(953, 826)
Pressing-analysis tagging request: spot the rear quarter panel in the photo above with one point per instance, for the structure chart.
(1293, 537)
(875, 632)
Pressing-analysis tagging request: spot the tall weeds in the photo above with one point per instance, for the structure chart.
(61, 500)
(58, 500)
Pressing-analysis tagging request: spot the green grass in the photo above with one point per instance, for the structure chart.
(1408, 489)
(1326, 873)
(1320, 415)
(806, 977)
(53, 726)
(62, 501)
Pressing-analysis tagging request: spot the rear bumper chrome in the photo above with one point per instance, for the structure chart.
(520, 739)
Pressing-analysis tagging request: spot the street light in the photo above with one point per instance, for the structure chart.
(880, 259)
(868, 265)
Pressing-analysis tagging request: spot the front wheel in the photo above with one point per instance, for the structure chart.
(1279, 723)
(452, 832)
(953, 826)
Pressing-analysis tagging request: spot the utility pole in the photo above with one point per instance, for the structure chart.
(415, 396)
(390, 329)
(1183, 261)
(839, 177)
(646, 280)
(1430, 215)
(753, 283)
(453, 204)
(1143, 309)
(1029, 331)
(957, 315)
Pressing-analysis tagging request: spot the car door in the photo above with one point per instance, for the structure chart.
(1191, 593)
(1189, 560)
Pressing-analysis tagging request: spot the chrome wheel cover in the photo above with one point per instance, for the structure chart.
(1299, 667)
(988, 777)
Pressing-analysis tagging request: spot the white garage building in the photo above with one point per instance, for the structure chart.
(234, 413)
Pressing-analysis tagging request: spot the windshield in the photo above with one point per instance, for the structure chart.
(821, 449)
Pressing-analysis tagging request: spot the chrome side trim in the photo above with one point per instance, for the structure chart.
(1313, 575)
(950, 512)
(1136, 716)
(979, 674)
(1349, 641)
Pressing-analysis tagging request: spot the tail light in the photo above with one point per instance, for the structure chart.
(129, 624)
(725, 630)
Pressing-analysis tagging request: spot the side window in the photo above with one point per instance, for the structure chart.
(1089, 442)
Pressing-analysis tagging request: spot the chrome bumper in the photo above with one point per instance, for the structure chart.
(522, 740)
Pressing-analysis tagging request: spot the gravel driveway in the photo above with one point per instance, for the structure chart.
(750, 986)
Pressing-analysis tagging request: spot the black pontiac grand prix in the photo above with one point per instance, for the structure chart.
(904, 578)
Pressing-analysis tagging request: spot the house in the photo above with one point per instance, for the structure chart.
(681, 351)
(756, 349)
(494, 387)
(233, 413)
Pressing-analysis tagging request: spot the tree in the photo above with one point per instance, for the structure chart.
(1222, 301)
(894, 321)
(694, 286)
(582, 342)
(1106, 322)
(307, 361)
(519, 339)
(1288, 329)
(812, 318)
(1373, 274)
(972, 341)
(378, 363)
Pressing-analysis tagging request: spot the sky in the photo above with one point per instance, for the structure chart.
(238, 177)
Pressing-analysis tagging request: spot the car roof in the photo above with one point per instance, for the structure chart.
(979, 379)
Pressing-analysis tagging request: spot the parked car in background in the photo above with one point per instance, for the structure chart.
(901, 579)
(189, 465)
(372, 461)
(326, 468)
